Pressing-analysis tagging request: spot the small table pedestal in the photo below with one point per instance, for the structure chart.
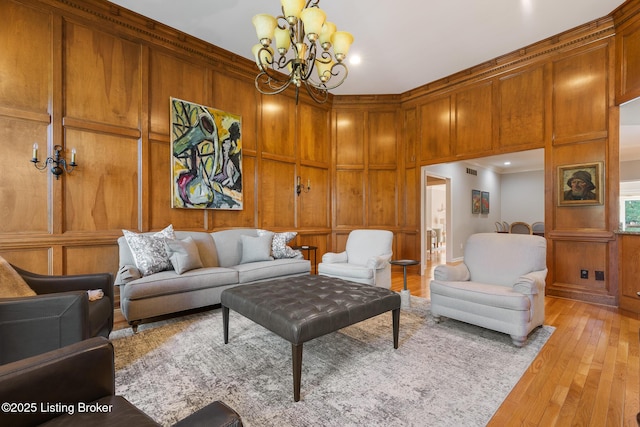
(405, 294)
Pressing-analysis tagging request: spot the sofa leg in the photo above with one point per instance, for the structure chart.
(134, 326)
(437, 319)
(518, 341)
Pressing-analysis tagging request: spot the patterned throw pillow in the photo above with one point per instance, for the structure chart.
(279, 248)
(149, 251)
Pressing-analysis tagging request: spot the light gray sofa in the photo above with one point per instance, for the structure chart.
(500, 285)
(227, 261)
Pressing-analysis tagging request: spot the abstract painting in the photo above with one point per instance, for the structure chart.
(206, 166)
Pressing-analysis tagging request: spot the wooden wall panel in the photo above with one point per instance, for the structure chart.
(101, 193)
(412, 198)
(94, 259)
(410, 135)
(383, 199)
(170, 76)
(349, 197)
(25, 205)
(315, 141)
(572, 256)
(35, 260)
(522, 112)
(277, 126)
(628, 61)
(28, 88)
(383, 138)
(474, 120)
(629, 247)
(314, 205)
(582, 217)
(277, 192)
(350, 138)
(580, 95)
(111, 65)
(435, 129)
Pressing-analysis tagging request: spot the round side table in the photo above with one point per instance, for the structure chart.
(405, 294)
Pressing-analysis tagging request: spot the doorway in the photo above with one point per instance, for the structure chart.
(435, 220)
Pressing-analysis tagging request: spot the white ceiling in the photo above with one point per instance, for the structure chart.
(405, 44)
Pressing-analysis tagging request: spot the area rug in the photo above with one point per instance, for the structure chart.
(442, 374)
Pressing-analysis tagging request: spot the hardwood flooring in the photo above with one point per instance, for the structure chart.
(587, 374)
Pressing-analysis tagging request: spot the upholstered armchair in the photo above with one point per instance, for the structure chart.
(364, 260)
(54, 311)
(500, 284)
(75, 386)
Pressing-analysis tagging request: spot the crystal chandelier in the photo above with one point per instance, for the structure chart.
(297, 33)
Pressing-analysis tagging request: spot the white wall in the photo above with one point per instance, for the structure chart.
(522, 197)
(513, 197)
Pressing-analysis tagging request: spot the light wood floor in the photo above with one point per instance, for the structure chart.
(587, 374)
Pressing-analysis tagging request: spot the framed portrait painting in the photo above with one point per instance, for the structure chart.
(475, 201)
(580, 184)
(484, 202)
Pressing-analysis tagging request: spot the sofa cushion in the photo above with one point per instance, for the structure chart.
(149, 251)
(168, 282)
(482, 294)
(347, 270)
(229, 246)
(263, 270)
(256, 248)
(183, 254)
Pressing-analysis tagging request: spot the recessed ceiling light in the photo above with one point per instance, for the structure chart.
(355, 59)
(507, 163)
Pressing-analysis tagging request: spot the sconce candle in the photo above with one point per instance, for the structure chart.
(58, 164)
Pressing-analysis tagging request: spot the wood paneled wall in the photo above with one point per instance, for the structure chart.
(103, 87)
(98, 78)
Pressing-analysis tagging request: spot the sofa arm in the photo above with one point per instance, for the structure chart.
(126, 274)
(81, 372)
(34, 325)
(452, 273)
(332, 257)
(532, 283)
(378, 262)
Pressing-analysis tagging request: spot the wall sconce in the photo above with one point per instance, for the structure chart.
(58, 164)
(300, 188)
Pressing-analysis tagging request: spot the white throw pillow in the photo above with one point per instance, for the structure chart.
(256, 248)
(183, 254)
(149, 252)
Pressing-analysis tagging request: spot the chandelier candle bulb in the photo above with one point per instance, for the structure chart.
(313, 19)
(292, 9)
(325, 36)
(342, 41)
(265, 27)
(283, 41)
(73, 157)
(34, 157)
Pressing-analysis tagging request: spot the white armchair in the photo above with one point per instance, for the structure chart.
(500, 284)
(365, 259)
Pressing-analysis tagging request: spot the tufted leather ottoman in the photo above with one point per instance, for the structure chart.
(302, 308)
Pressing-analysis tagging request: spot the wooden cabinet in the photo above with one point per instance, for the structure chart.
(629, 272)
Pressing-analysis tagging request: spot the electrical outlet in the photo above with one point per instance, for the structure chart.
(599, 275)
(584, 274)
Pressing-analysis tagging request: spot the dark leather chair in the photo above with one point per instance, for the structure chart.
(75, 385)
(60, 314)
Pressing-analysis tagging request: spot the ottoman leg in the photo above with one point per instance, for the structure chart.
(296, 356)
(225, 323)
(396, 326)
